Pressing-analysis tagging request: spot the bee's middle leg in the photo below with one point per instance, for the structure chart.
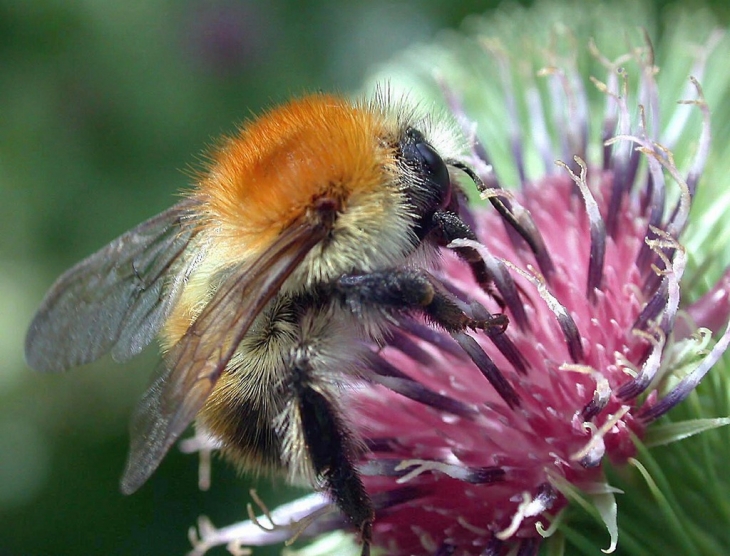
(409, 290)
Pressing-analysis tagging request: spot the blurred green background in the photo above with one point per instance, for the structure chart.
(105, 107)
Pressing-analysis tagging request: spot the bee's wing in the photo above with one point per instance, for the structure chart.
(111, 301)
(191, 368)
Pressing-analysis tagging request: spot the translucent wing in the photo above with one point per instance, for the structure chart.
(193, 365)
(113, 300)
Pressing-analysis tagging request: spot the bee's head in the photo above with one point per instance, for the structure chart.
(428, 185)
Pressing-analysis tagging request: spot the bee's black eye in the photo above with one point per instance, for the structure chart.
(433, 166)
(435, 190)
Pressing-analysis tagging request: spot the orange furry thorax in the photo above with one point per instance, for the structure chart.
(268, 176)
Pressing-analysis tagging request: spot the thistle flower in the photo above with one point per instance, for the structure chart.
(477, 443)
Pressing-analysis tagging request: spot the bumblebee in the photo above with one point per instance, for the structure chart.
(308, 232)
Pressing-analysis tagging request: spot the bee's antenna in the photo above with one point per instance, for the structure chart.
(468, 171)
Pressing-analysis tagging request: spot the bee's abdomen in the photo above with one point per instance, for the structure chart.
(249, 439)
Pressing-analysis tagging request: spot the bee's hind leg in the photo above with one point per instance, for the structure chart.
(329, 443)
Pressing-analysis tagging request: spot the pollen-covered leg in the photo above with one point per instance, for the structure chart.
(448, 227)
(409, 290)
(330, 447)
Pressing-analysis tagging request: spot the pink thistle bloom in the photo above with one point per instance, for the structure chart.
(477, 443)
(491, 430)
